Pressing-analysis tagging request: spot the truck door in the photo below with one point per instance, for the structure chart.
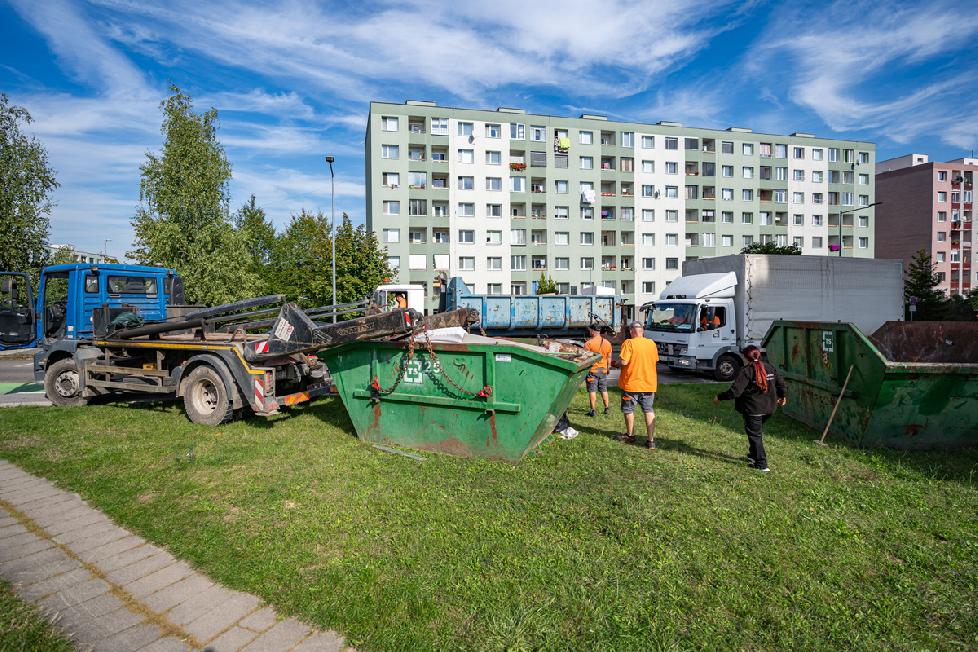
(16, 310)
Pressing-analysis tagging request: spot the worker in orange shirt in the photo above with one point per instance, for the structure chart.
(638, 382)
(706, 322)
(401, 300)
(597, 377)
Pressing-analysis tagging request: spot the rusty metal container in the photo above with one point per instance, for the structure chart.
(481, 397)
(914, 385)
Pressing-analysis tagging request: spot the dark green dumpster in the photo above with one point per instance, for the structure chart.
(481, 397)
(914, 385)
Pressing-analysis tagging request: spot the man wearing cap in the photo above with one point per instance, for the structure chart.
(638, 382)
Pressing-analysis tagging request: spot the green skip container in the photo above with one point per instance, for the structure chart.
(913, 385)
(482, 397)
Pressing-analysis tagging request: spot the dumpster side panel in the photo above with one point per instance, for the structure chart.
(925, 411)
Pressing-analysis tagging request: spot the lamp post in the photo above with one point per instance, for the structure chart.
(332, 219)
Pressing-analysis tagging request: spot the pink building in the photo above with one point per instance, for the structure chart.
(926, 205)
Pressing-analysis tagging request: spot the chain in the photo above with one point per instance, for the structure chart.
(399, 369)
(485, 392)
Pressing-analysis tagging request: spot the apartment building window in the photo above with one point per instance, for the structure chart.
(517, 263)
(726, 194)
(942, 175)
(672, 192)
(538, 133)
(863, 240)
(417, 261)
(494, 131)
(466, 183)
(648, 287)
(538, 159)
(587, 238)
(748, 149)
(709, 169)
(518, 288)
(494, 264)
(439, 236)
(798, 219)
(834, 176)
(392, 152)
(747, 172)
(818, 176)
(863, 201)
(466, 263)
(389, 123)
(417, 207)
(517, 184)
(747, 194)
(494, 237)
(648, 166)
(648, 142)
(692, 192)
(517, 131)
(817, 154)
(781, 173)
(466, 156)
(561, 238)
(727, 147)
(494, 210)
(817, 242)
(726, 171)
(798, 152)
(941, 236)
(439, 155)
(538, 237)
(817, 220)
(672, 239)
(585, 137)
(863, 179)
(747, 240)
(464, 129)
(466, 236)
(494, 158)
(955, 197)
(672, 263)
(747, 217)
(392, 179)
(672, 143)
(627, 164)
(764, 150)
(560, 186)
(561, 263)
(648, 215)
(863, 221)
(440, 208)
(628, 139)
(941, 257)
(797, 198)
(781, 240)
(672, 167)
(648, 239)
(494, 288)
(847, 199)
(392, 235)
(466, 209)
(708, 240)
(765, 218)
(494, 184)
(627, 214)
(439, 126)
(780, 196)
(833, 154)
(863, 158)
(691, 143)
(392, 208)
(587, 263)
(648, 264)
(942, 216)
(587, 162)
(798, 175)
(394, 262)
(560, 160)
(817, 198)
(587, 213)
(727, 217)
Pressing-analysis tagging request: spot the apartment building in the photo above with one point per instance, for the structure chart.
(930, 206)
(498, 197)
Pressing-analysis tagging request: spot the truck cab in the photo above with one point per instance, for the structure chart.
(694, 325)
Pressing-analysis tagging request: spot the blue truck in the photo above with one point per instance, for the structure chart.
(555, 315)
(124, 330)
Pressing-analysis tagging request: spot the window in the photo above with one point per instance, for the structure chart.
(863, 179)
(672, 192)
(538, 159)
(648, 264)
(833, 154)
(494, 210)
(764, 149)
(781, 173)
(863, 221)
(942, 175)
(517, 236)
(672, 263)
(818, 176)
(392, 179)
(672, 143)
(817, 198)
(691, 143)
(648, 215)
(560, 160)
(648, 142)
(692, 192)
(627, 164)
(863, 240)
(587, 238)
(942, 216)
(648, 166)
(727, 217)
(439, 126)
(672, 216)
(672, 239)
(466, 236)
(941, 257)
(417, 261)
(538, 133)
(585, 137)
(672, 167)
(517, 131)
(798, 175)
(817, 220)
(648, 239)
(561, 263)
(517, 263)
(466, 183)
(864, 157)
(726, 171)
(560, 186)
(648, 190)
(709, 169)
(797, 198)
(517, 184)
(561, 212)
(798, 152)
(466, 263)
(709, 240)
(440, 236)
(627, 139)
(726, 194)
(864, 200)
(561, 238)
(587, 213)
(494, 184)
(392, 152)
(494, 237)
(747, 240)
(587, 263)
(494, 131)
(587, 162)
(464, 129)
(389, 123)
(393, 262)
(748, 149)
(816, 242)
(440, 208)
(780, 196)
(466, 156)
(727, 147)
(466, 209)
(495, 288)
(817, 154)
(418, 207)
(494, 158)
(726, 241)
(648, 287)
(392, 208)
(747, 217)
(747, 172)
(941, 236)
(798, 219)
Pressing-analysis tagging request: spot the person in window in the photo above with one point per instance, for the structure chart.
(400, 300)
(757, 391)
(707, 322)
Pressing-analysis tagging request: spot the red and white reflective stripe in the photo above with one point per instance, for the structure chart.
(261, 347)
(259, 394)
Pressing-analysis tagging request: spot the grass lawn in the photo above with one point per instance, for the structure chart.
(24, 629)
(591, 544)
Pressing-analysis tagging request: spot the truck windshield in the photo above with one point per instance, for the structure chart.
(672, 317)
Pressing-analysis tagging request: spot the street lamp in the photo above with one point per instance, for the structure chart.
(332, 219)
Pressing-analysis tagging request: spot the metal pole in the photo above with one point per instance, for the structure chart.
(332, 212)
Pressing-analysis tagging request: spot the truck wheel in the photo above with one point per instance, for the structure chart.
(727, 367)
(62, 383)
(205, 397)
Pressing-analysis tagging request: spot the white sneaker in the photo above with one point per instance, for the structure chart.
(568, 433)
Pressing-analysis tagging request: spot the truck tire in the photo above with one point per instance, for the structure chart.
(62, 383)
(206, 399)
(727, 367)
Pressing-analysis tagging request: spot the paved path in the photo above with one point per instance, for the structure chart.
(109, 589)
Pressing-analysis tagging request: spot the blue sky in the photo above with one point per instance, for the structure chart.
(292, 80)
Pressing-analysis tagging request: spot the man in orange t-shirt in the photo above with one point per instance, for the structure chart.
(597, 377)
(638, 382)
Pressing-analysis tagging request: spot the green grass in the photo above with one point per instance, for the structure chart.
(24, 629)
(591, 544)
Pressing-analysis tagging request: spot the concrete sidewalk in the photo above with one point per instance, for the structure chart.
(109, 589)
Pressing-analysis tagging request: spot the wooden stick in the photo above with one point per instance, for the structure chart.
(825, 433)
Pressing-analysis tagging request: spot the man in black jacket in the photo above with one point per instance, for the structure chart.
(757, 390)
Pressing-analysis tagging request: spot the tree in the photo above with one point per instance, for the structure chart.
(26, 183)
(921, 283)
(546, 285)
(258, 234)
(771, 248)
(361, 264)
(183, 219)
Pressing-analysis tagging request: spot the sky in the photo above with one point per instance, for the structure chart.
(292, 80)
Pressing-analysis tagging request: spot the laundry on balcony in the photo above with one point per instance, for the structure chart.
(587, 196)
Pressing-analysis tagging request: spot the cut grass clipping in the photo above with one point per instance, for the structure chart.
(591, 544)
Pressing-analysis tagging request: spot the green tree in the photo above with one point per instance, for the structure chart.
(771, 248)
(922, 283)
(183, 221)
(546, 285)
(259, 238)
(26, 183)
(361, 263)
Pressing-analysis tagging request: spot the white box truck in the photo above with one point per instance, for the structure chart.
(703, 319)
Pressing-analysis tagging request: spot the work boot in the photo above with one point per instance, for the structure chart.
(590, 412)
(625, 437)
(606, 409)
(650, 444)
